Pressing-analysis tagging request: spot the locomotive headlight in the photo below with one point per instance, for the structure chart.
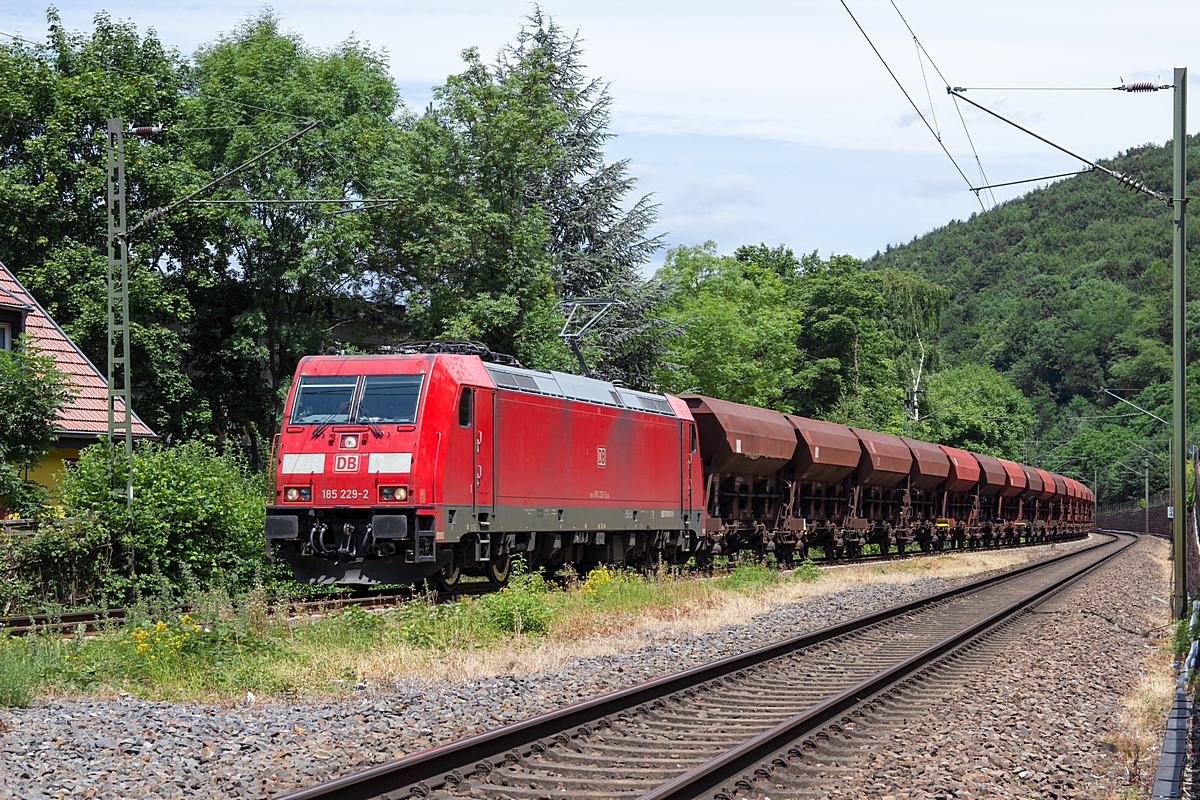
(306, 493)
(350, 441)
(292, 494)
(390, 494)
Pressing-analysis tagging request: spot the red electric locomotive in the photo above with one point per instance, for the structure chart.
(398, 468)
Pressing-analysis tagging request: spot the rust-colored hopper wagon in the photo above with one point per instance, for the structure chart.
(1045, 512)
(1034, 488)
(926, 490)
(884, 465)
(743, 449)
(821, 497)
(1063, 499)
(1009, 508)
(993, 481)
(960, 500)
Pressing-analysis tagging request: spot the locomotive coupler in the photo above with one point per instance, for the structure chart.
(346, 548)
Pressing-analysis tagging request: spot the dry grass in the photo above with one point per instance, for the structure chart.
(1143, 714)
(1142, 717)
(677, 608)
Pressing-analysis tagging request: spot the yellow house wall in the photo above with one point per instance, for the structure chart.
(49, 469)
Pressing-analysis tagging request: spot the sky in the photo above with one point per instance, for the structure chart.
(773, 122)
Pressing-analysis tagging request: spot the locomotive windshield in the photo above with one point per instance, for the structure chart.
(324, 399)
(337, 399)
(389, 399)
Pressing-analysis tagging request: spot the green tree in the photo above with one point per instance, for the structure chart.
(510, 206)
(739, 329)
(913, 308)
(976, 408)
(55, 99)
(32, 394)
(274, 279)
(846, 372)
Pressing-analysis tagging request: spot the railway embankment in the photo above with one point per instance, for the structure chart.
(78, 746)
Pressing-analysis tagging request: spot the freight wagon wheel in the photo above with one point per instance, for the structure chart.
(449, 576)
(497, 570)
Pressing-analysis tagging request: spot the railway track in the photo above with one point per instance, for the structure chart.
(95, 619)
(717, 729)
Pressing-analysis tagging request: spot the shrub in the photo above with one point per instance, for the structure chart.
(524, 606)
(197, 516)
(750, 574)
(605, 581)
(807, 571)
(439, 626)
(65, 564)
(20, 497)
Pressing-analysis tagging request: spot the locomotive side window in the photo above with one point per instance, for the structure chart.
(324, 399)
(692, 431)
(464, 408)
(389, 399)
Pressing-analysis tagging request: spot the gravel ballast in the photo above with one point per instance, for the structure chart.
(1062, 675)
(126, 747)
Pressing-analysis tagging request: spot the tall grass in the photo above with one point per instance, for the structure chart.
(224, 648)
(20, 676)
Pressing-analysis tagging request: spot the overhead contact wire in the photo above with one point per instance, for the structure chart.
(911, 102)
(932, 63)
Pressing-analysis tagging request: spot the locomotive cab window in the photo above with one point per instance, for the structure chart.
(464, 408)
(692, 438)
(324, 399)
(389, 399)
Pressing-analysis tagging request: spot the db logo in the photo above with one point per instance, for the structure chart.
(345, 463)
(601, 457)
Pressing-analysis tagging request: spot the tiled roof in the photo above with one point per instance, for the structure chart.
(87, 413)
(10, 300)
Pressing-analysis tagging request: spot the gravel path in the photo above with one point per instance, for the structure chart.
(125, 747)
(1053, 734)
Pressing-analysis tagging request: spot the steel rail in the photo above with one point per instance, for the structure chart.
(749, 755)
(424, 771)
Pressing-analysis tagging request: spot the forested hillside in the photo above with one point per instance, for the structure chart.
(1067, 290)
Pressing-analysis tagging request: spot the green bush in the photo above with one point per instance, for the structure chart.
(66, 564)
(439, 626)
(25, 499)
(750, 573)
(524, 606)
(197, 517)
(807, 571)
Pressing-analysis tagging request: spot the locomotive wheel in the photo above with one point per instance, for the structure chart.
(497, 570)
(449, 576)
